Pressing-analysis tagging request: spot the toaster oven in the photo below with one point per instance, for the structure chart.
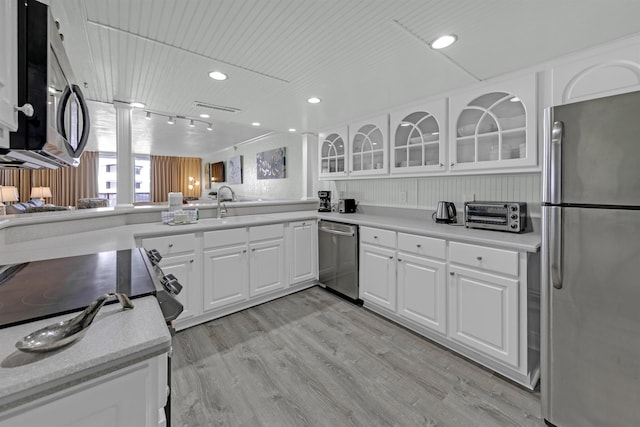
(502, 216)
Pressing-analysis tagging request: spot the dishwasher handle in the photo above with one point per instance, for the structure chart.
(339, 233)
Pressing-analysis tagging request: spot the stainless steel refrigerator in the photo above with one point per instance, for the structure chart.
(591, 263)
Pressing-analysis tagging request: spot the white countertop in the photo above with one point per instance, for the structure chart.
(115, 339)
(124, 236)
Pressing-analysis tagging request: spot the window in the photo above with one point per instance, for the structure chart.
(107, 183)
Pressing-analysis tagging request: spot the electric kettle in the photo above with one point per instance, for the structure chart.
(445, 213)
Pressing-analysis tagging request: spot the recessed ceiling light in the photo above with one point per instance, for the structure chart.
(313, 100)
(137, 105)
(148, 116)
(171, 121)
(217, 75)
(204, 116)
(255, 124)
(210, 127)
(292, 130)
(444, 41)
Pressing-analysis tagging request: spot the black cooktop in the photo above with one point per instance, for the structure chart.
(42, 289)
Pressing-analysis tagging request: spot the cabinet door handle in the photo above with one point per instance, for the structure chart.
(26, 109)
(479, 258)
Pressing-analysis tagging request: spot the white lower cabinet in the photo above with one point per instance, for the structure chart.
(226, 276)
(266, 266)
(422, 291)
(485, 308)
(302, 251)
(131, 396)
(180, 258)
(378, 276)
(483, 312)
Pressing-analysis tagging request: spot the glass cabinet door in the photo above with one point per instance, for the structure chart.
(369, 147)
(332, 153)
(495, 129)
(418, 140)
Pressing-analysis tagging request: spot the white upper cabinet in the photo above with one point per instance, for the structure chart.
(368, 147)
(494, 127)
(418, 138)
(8, 69)
(608, 72)
(332, 152)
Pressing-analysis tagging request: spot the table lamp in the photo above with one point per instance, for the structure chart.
(8, 193)
(40, 193)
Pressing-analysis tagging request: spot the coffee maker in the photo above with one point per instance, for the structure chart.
(325, 201)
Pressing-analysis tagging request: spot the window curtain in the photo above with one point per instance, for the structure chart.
(67, 184)
(171, 174)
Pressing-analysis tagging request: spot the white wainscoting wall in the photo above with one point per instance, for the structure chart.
(424, 193)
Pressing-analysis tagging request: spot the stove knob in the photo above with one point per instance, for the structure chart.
(514, 216)
(514, 226)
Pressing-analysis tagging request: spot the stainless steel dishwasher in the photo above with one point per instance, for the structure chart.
(338, 257)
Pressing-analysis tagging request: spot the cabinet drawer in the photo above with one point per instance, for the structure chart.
(219, 238)
(499, 260)
(264, 232)
(171, 244)
(376, 236)
(421, 245)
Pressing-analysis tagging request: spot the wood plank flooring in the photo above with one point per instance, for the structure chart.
(313, 359)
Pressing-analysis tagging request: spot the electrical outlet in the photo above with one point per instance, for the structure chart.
(403, 197)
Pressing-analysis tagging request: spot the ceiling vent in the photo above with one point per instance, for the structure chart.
(227, 109)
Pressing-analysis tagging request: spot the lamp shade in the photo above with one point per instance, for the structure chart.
(8, 193)
(40, 192)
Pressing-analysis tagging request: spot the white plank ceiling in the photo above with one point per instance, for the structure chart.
(358, 56)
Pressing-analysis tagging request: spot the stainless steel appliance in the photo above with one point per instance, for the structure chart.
(347, 205)
(338, 258)
(54, 129)
(590, 264)
(445, 213)
(502, 216)
(325, 201)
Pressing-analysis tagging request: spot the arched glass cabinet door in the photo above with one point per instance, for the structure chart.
(369, 140)
(418, 140)
(495, 128)
(333, 152)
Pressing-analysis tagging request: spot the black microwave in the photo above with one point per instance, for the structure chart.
(56, 133)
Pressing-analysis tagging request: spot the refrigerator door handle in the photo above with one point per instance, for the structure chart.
(555, 166)
(555, 246)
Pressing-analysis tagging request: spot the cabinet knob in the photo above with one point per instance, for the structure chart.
(418, 246)
(441, 164)
(452, 164)
(479, 258)
(375, 237)
(26, 109)
(399, 260)
(244, 251)
(190, 261)
(253, 249)
(170, 245)
(451, 273)
(390, 257)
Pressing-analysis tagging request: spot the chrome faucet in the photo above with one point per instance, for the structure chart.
(220, 213)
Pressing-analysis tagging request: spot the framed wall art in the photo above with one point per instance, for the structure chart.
(234, 170)
(271, 164)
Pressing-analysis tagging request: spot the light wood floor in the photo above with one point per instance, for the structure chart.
(312, 359)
